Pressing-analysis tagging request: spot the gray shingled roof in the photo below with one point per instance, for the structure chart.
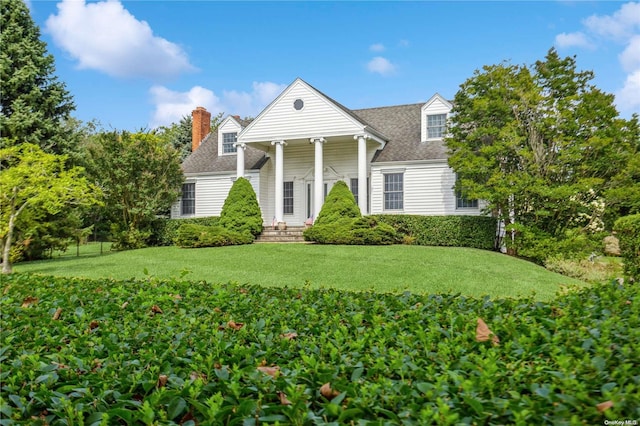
(401, 124)
(205, 159)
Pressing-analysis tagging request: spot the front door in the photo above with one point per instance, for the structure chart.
(309, 191)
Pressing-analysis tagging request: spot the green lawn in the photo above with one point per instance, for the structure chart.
(381, 268)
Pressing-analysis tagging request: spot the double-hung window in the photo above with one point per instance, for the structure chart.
(463, 202)
(287, 198)
(436, 124)
(188, 199)
(228, 139)
(394, 191)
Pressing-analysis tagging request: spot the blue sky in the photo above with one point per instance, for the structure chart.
(140, 64)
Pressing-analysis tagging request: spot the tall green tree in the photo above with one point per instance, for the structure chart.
(140, 176)
(34, 104)
(539, 144)
(34, 183)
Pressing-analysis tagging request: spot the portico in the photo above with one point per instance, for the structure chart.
(304, 131)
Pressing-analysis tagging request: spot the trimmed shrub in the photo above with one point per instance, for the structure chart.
(458, 231)
(339, 204)
(352, 231)
(628, 231)
(194, 236)
(165, 231)
(241, 211)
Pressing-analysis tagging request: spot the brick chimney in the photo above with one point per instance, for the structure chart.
(200, 126)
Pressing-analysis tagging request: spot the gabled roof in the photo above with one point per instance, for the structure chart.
(401, 124)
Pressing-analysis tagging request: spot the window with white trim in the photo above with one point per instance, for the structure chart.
(228, 139)
(394, 191)
(463, 202)
(436, 124)
(287, 197)
(188, 201)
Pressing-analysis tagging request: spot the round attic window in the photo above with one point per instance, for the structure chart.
(298, 104)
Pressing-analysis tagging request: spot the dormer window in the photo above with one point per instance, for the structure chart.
(436, 126)
(228, 139)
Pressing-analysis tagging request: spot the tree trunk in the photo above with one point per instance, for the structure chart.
(6, 250)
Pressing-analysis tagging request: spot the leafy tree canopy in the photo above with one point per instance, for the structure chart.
(35, 105)
(141, 178)
(34, 183)
(539, 143)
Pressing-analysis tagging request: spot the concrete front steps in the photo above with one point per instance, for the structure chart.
(293, 234)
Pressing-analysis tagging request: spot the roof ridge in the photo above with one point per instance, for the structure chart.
(389, 106)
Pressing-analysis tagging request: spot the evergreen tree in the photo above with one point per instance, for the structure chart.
(241, 211)
(35, 105)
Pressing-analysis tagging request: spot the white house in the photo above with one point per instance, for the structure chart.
(393, 158)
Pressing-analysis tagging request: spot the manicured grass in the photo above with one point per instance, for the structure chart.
(383, 268)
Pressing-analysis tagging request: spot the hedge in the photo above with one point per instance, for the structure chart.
(193, 236)
(166, 230)
(169, 352)
(457, 231)
(627, 229)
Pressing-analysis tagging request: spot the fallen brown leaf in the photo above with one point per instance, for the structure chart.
(327, 392)
(483, 333)
(283, 398)
(28, 301)
(162, 380)
(603, 406)
(289, 336)
(56, 315)
(235, 325)
(156, 309)
(93, 325)
(195, 376)
(271, 371)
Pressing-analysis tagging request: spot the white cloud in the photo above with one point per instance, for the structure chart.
(628, 98)
(622, 27)
(381, 66)
(104, 36)
(630, 57)
(171, 106)
(377, 47)
(619, 26)
(577, 39)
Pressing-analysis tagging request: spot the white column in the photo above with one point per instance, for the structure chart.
(318, 177)
(279, 213)
(240, 147)
(362, 172)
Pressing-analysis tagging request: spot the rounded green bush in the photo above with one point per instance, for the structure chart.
(241, 211)
(339, 204)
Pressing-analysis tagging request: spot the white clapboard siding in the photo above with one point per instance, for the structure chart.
(428, 189)
(212, 191)
(318, 117)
